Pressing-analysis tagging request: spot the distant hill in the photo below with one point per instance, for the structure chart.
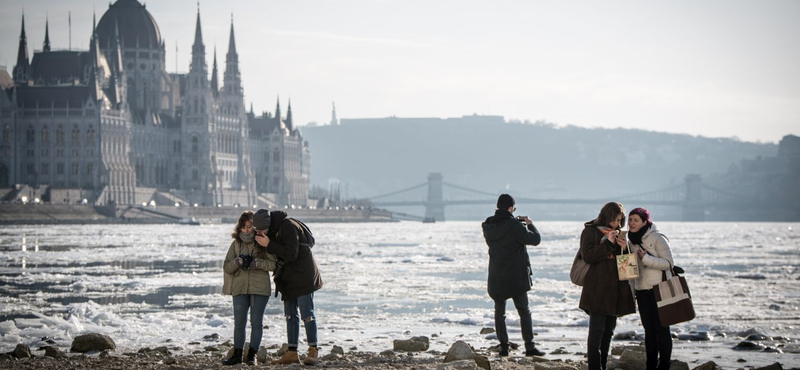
(376, 156)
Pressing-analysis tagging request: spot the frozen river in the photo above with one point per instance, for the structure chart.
(145, 284)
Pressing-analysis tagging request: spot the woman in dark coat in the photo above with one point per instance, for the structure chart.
(604, 296)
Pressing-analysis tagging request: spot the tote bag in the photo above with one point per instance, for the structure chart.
(673, 299)
(627, 266)
(577, 274)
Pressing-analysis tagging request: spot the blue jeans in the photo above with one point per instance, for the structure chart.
(306, 305)
(256, 304)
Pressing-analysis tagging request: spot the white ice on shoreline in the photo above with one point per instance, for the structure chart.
(145, 284)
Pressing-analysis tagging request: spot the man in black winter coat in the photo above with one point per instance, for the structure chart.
(510, 269)
(297, 282)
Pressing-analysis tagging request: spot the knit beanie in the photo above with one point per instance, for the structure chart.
(642, 213)
(261, 220)
(505, 201)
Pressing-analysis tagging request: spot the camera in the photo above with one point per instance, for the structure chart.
(278, 269)
(521, 218)
(246, 260)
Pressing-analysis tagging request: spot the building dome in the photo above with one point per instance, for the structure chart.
(135, 23)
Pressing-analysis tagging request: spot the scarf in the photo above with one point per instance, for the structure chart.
(247, 238)
(636, 237)
(604, 229)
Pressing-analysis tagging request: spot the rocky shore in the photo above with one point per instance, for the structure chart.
(98, 351)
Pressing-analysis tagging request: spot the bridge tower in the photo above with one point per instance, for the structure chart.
(434, 206)
(693, 209)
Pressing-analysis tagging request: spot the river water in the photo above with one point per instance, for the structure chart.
(146, 284)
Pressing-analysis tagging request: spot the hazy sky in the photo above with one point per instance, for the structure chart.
(715, 68)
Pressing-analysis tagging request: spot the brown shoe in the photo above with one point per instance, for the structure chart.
(290, 357)
(311, 359)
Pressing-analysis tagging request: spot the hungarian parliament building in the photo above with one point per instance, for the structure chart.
(111, 126)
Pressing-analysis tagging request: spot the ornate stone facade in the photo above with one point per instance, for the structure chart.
(112, 125)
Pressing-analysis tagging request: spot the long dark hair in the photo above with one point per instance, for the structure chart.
(246, 216)
(609, 213)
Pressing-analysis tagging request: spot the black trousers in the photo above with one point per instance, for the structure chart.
(601, 329)
(521, 303)
(657, 339)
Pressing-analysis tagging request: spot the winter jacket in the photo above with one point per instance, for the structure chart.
(254, 280)
(300, 274)
(657, 259)
(509, 264)
(603, 292)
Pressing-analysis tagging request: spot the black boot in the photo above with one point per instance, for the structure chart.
(531, 350)
(503, 350)
(251, 356)
(235, 359)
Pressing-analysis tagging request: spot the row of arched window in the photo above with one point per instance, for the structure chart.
(60, 135)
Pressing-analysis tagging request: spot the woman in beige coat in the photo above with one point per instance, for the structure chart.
(247, 279)
(656, 257)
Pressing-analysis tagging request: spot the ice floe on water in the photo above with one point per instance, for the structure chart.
(144, 285)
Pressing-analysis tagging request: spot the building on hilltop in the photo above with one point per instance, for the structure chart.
(112, 126)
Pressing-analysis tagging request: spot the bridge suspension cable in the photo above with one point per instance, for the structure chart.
(467, 189)
(400, 191)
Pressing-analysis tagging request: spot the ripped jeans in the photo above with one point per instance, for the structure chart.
(306, 305)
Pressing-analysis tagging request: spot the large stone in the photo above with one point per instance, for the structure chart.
(415, 344)
(678, 365)
(282, 351)
(459, 351)
(92, 342)
(626, 335)
(170, 360)
(748, 346)
(22, 351)
(617, 351)
(55, 352)
(485, 331)
(483, 362)
(775, 366)
(634, 359)
(710, 365)
(261, 355)
(337, 350)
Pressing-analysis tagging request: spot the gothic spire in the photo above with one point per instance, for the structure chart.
(116, 50)
(289, 123)
(46, 46)
(334, 120)
(232, 78)
(94, 81)
(198, 48)
(232, 41)
(214, 78)
(278, 109)
(23, 62)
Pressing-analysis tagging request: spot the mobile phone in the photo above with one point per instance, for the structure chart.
(622, 234)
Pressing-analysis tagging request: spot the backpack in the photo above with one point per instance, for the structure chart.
(307, 232)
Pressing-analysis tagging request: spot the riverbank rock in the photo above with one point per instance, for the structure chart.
(678, 365)
(415, 344)
(337, 350)
(775, 366)
(710, 365)
(483, 362)
(617, 351)
(22, 351)
(459, 351)
(170, 360)
(282, 351)
(485, 331)
(92, 342)
(634, 359)
(459, 365)
(748, 346)
(55, 352)
(262, 355)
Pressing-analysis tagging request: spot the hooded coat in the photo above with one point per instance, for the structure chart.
(603, 292)
(657, 259)
(300, 274)
(509, 264)
(254, 280)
